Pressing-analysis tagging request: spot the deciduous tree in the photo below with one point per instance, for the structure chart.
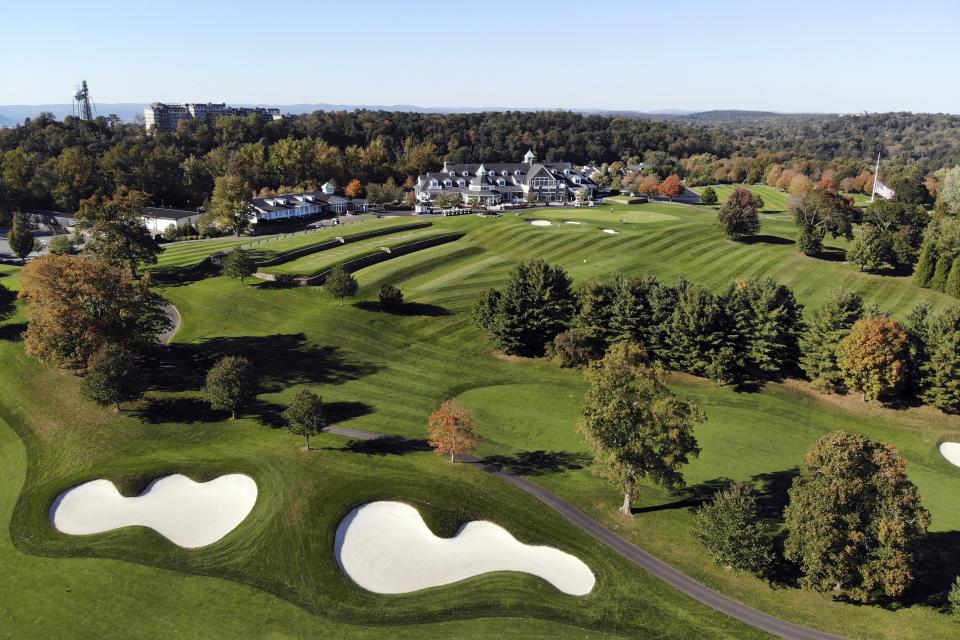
(634, 425)
(873, 357)
(738, 215)
(305, 416)
(231, 384)
(239, 264)
(452, 429)
(353, 189)
(78, 304)
(20, 239)
(671, 187)
(340, 283)
(114, 377)
(854, 521)
(230, 203)
(708, 196)
(391, 297)
(119, 234)
(730, 528)
(818, 212)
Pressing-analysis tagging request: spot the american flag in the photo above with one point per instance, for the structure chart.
(883, 190)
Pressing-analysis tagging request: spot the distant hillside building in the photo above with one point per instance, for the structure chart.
(493, 183)
(166, 116)
(158, 219)
(305, 205)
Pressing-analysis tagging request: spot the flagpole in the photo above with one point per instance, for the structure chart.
(876, 174)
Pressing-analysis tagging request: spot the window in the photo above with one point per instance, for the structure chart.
(541, 182)
(447, 183)
(460, 182)
(501, 182)
(465, 174)
(434, 184)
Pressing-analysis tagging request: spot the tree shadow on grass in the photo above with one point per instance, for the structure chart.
(280, 361)
(385, 446)
(766, 239)
(13, 332)
(179, 276)
(692, 497)
(405, 309)
(938, 567)
(185, 410)
(535, 463)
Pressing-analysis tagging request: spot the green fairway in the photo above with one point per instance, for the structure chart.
(276, 575)
(774, 200)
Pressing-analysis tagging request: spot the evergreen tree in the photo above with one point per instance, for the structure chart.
(764, 322)
(926, 264)
(942, 272)
(231, 384)
(597, 300)
(238, 264)
(697, 328)
(829, 325)
(953, 597)
(810, 241)
(917, 327)
(634, 425)
(20, 239)
(305, 415)
(632, 313)
(941, 365)
(854, 520)
(391, 297)
(340, 283)
(953, 280)
(536, 304)
(8, 303)
(730, 528)
(113, 378)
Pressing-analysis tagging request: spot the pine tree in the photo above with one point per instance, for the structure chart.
(926, 264)
(697, 329)
(953, 280)
(941, 365)
(829, 325)
(597, 300)
(941, 273)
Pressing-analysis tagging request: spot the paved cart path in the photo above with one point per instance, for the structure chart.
(675, 578)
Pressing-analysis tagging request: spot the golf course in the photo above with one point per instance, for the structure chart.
(274, 572)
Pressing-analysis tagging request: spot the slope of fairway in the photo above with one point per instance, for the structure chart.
(774, 200)
(387, 371)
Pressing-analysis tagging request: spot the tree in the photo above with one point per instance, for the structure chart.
(869, 251)
(953, 280)
(113, 377)
(873, 358)
(696, 329)
(239, 264)
(854, 520)
(391, 297)
(575, 347)
(738, 215)
(953, 597)
(764, 322)
(340, 283)
(709, 196)
(536, 304)
(119, 233)
(818, 212)
(231, 384)
(305, 416)
(949, 192)
(926, 264)
(828, 325)
(230, 203)
(20, 239)
(452, 429)
(730, 528)
(78, 304)
(634, 425)
(671, 187)
(354, 189)
(61, 245)
(940, 364)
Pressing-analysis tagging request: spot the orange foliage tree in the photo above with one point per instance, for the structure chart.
(873, 357)
(453, 429)
(648, 185)
(76, 305)
(353, 189)
(670, 187)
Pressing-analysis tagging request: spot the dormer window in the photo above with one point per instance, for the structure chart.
(501, 181)
(504, 172)
(465, 174)
(516, 172)
(434, 184)
(453, 173)
(461, 182)
(447, 183)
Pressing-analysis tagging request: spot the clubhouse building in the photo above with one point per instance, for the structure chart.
(309, 204)
(497, 183)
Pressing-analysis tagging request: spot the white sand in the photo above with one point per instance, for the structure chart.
(539, 223)
(610, 231)
(386, 547)
(188, 513)
(951, 451)
(572, 222)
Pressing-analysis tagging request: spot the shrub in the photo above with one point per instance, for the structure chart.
(575, 348)
(730, 528)
(708, 196)
(391, 296)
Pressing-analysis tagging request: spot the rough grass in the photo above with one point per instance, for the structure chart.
(386, 372)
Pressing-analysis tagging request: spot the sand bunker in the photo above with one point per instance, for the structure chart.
(539, 223)
(189, 514)
(386, 547)
(571, 222)
(951, 451)
(610, 231)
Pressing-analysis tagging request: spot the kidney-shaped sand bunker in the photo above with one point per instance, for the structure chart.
(189, 514)
(386, 547)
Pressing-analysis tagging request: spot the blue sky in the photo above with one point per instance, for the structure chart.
(637, 55)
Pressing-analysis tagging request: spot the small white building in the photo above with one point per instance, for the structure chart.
(159, 218)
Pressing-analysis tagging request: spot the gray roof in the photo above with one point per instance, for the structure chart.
(170, 214)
